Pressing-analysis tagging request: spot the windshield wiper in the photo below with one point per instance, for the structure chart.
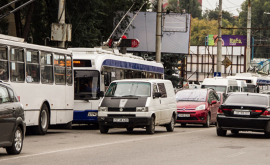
(129, 96)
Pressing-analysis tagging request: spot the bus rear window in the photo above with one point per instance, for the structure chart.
(82, 63)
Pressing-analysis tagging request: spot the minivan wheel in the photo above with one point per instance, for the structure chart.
(207, 122)
(103, 129)
(150, 129)
(170, 126)
(17, 144)
(43, 123)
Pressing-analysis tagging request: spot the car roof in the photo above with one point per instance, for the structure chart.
(142, 80)
(248, 93)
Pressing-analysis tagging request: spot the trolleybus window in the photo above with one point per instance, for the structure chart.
(69, 70)
(32, 66)
(3, 64)
(46, 68)
(86, 84)
(17, 65)
(59, 69)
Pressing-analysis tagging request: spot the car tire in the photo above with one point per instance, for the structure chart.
(170, 126)
(234, 131)
(183, 124)
(207, 121)
(221, 132)
(150, 129)
(103, 129)
(129, 129)
(17, 143)
(267, 134)
(43, 121)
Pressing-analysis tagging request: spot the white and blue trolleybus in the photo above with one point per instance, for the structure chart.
(95, 68)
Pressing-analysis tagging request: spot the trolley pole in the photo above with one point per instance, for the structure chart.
(61, 18)
(158, 32)
(219, 44)
(248, 37)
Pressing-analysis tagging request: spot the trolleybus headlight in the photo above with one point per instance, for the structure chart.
(142, 109)
(104, 109)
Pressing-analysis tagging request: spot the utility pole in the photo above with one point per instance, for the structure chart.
(219, 44)
(158, 31)
(248, 36)
(61, 18)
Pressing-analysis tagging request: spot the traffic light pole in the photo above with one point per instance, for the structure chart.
(158, 32)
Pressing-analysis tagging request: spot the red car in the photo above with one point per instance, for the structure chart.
(197, 106)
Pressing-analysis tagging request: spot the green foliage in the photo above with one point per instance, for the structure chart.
(213, 15)
(189, 6)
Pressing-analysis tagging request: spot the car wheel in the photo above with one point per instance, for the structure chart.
(267, 134)
(207, 121)
(234, 131)
(221, 132)
(170, 126)
(17, 143)
(129, 129)
(150, 129)
(183, 124)
(103, 129)
(43, 123)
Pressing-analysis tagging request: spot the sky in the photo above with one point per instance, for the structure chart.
(227, 5)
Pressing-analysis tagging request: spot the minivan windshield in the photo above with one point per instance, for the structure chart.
(216, 88)
(192, 95)
(129, 89)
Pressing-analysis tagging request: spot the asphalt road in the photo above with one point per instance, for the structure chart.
(192, 145)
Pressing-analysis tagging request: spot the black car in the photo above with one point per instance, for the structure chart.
(12, 125)
(244, 112)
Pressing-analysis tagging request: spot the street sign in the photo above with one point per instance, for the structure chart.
(217, 74)
(133, 43)
(226, 62)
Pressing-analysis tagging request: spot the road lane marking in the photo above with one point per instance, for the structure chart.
(105, 144)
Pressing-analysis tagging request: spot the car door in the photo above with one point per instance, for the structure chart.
(7, 116)
(156, 102)
(214, 107)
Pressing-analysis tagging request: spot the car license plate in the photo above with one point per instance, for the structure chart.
(241, 113)
(183, 115)
(120, 120)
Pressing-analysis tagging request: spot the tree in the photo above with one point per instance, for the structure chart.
(213, 15)
(189, 6)
(258, 20)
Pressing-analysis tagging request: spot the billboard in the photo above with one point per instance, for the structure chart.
(175, 32)
(228, 40)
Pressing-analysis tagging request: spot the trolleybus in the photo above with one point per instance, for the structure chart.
(43, 80)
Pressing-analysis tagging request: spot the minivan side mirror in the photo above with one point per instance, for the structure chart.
(213, 102)
(157, 94)
(101, 94)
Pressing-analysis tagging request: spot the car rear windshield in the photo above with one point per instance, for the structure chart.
(191, 95)
(247, 99)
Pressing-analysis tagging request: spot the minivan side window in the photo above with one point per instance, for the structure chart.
(155, 89)
(162, 90)
(4, 96)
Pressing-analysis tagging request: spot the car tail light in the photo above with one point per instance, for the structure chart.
(266, 113)
(259, 111)
(219, 111)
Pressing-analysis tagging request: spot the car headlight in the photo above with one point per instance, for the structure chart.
(200, 107)
(104, 109)
(141, 109)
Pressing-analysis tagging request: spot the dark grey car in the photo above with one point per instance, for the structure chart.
(12, 125)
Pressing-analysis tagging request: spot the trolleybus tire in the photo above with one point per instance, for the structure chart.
(43, 121)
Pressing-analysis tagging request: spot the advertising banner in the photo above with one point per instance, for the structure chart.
(228, 40)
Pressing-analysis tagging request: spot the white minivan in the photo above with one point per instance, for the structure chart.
(220, 84)
(138, 103)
